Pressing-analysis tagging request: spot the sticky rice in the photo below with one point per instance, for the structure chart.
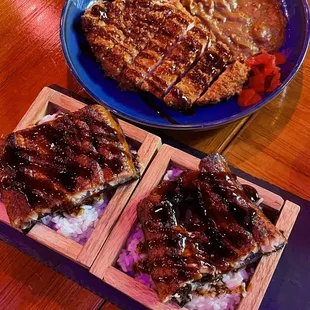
(77, 227)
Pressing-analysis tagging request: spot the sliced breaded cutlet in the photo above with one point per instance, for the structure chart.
(159, 47)
(194, 82)
(117, 22)
(108, 41)
(175, 65)
(164, 40)
(55, 166)
(228, 84)
(138, 21)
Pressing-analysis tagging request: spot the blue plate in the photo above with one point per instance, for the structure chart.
(132, 106)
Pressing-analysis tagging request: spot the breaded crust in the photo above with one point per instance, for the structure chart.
(189, 89)
(228, 84)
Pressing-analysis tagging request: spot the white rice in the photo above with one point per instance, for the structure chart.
(77, 227)
(49, 117)
(221, 302)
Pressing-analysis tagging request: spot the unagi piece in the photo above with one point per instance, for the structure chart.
(251, 217)
(201, 226)
(56, 166)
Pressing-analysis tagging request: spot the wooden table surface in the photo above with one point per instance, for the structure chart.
(272, 145)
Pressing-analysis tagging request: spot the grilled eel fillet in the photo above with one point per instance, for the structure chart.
(55, 166)
(201, 226)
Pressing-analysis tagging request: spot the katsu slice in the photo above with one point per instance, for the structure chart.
(228, 84)
(56, 166)
(108, 42)
(127, 20)
(149, 58)
(194, 82)
(138, 21)
(251, 217)
(170, 30)
(182, 57)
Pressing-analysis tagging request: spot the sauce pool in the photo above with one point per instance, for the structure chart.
(245, 26)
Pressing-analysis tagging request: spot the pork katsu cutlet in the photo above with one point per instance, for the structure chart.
(159, 47)
(54, 167)
(201, 226)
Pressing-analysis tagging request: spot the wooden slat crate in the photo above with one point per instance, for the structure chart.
(50, 101)
(104, 265)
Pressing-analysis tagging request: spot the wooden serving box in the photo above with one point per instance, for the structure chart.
(50, 101)
(104, 265)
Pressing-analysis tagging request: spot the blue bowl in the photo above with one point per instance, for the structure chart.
(132, 106)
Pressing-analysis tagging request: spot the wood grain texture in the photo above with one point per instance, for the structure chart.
(108, 306)
(3, 215)
(36, 111)
(136, 290)
(215, 140)
(27, 284)
(30, 57)
(55, 241)
(275, 145)
(104, 265)
(267, 265)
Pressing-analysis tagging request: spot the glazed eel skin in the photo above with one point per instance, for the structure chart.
(56, 166)
(201, 226)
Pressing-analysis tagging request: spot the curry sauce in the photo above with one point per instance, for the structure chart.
(245, 26)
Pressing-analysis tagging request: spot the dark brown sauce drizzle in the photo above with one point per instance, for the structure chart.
(253, 195)
(214, 59)
(149, 101)
(251, 192)
(55, 154)
(210, 65)
(188, 228)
